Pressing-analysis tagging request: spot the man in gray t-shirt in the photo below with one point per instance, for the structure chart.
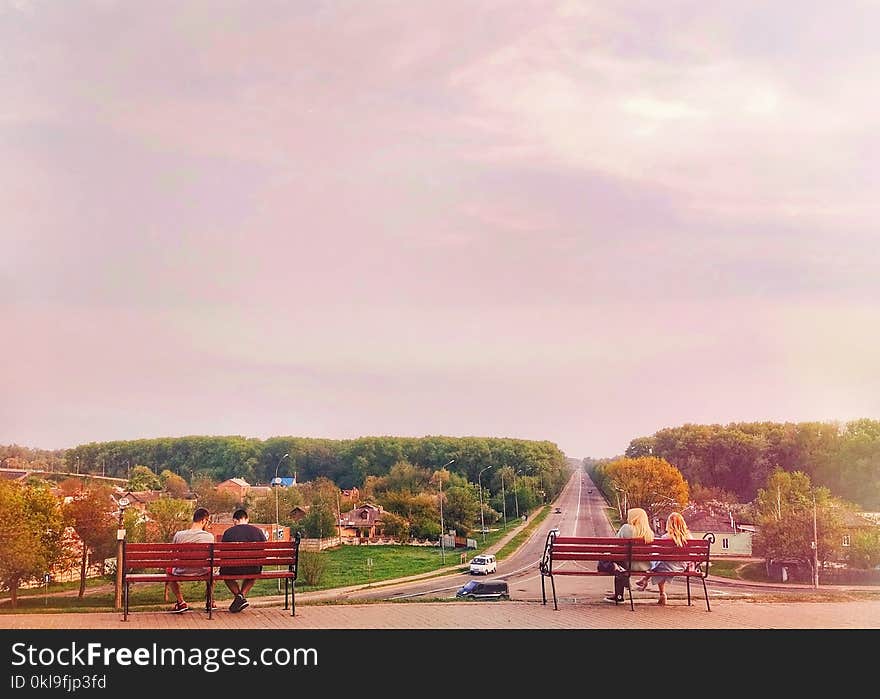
(196, 534)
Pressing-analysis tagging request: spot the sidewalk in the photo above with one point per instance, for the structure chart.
(725, 614)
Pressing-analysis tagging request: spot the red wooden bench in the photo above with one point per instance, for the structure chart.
(279, 560)
(579, 555)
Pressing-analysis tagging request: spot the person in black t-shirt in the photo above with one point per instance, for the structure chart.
(241, 531)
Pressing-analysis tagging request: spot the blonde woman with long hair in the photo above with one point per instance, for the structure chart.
(637, 527)
(677, 530)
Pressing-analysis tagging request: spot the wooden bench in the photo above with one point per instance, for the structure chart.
(281, 556)
(579, 555)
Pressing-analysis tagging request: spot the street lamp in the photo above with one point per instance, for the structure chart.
(440, 476)
(120, 539)
(480, 486)
(276, 482)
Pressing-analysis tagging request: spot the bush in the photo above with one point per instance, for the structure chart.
(311, 567)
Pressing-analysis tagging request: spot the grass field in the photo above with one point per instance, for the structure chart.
(345, 566)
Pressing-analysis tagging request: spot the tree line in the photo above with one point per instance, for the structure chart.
(348, 463)
(740, 457)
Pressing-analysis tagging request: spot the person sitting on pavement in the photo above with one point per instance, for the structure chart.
(637, 527)
(196, 534)
(241, 531)
(677, 530)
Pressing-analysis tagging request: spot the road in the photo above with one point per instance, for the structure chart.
(583, 514)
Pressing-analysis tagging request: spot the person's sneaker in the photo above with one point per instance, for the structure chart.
(211, 608)
(179, 608)
(613, 599)
(238, 604)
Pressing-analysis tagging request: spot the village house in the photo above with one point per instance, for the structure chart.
(853, 523)
(731, 538)
(364, 522)
(239, 487)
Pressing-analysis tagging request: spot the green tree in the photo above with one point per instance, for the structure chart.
(32, 535)
(91, 514)
(785, 510)
(864, 550)
(461, 508)
(169, 515)
(647, 482)
(135, 526)
(173, 484)
(320, 522)
(212, 499)
(396, 526)
(142, 478)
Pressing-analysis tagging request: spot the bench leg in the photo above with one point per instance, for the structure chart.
(543, 592)
(209, 598)
(553, 585)
(125, 601)
(292, 598)
(706, 592)
(630, 590)
(286, 588)
(688, 581)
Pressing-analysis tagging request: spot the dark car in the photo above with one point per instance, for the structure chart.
(557, 511)
(487, 589)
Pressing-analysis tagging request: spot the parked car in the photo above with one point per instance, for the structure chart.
(486, 589)
(483, 564)
(557, 511)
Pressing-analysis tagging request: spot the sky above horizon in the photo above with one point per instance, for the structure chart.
(574, 221)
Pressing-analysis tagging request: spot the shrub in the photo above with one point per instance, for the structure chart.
(311, 567)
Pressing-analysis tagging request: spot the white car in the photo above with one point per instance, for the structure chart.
(483, 564)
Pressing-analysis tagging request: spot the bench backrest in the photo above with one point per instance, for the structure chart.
(583, 548)
(233, 554)
(165, 555)
(624, 551)
(261, 553)
(694, 551)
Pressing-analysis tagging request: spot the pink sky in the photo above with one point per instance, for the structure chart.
(573, 221)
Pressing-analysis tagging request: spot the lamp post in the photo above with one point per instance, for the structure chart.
(120, 539)
(276, 483)
(480, 486)
(440, 477)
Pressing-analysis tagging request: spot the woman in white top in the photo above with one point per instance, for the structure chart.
(637, 527)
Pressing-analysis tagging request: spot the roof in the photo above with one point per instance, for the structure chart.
(13, 475)
(240, 482)
(705, 522)
(362, 516)
(855, 521)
